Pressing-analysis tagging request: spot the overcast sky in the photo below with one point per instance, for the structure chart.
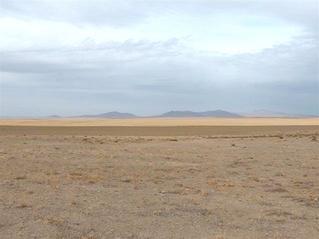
(72, 57)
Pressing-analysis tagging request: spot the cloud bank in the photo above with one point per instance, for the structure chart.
(78, 57)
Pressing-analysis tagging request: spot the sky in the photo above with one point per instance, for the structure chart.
(73, 57)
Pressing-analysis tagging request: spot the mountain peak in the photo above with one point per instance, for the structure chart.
(212, 113)
(111, 115)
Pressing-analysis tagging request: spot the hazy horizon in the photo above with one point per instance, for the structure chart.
(89, 57)
(260, 113)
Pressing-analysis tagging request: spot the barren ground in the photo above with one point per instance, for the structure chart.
(159, 182)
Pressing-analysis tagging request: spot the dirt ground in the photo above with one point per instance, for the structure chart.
(181, 182)
(142, 122)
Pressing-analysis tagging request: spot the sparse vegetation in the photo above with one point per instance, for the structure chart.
(86, 186)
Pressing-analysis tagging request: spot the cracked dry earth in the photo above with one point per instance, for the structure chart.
(159, 187)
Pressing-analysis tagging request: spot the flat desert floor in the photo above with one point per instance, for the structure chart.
(209, 178)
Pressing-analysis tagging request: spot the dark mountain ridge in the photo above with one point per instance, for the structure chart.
(174, 114)
(211, 113)
(110, 115)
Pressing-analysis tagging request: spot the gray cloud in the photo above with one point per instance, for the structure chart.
(148, 77)
(182, 80)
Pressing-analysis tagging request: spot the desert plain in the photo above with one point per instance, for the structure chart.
(159, 178)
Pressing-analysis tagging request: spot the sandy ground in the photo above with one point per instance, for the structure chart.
(198, 121)
(211, 182)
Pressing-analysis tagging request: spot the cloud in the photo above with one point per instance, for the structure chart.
(120, 13)
(124, 13)
(96, 56)
(226, 26)
(185, 80)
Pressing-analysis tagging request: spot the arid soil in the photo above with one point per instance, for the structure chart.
(214, 183)
(142, 122)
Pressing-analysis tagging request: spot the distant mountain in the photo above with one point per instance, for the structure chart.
(269, 113)
(54, 116)
(173, 114)
(110, 115)
(213, 113)
(187, 113)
